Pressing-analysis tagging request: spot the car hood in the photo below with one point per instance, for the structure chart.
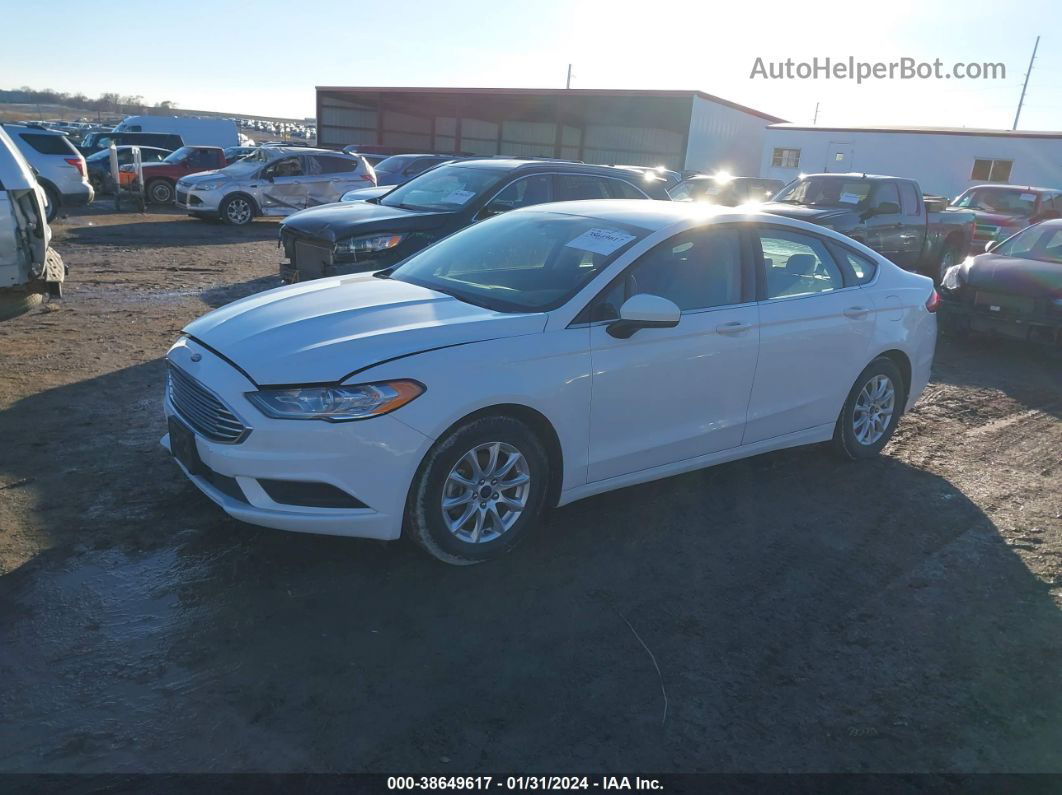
(339, 220)
(202, 176)
(323, 330)
(997, 219)
(1028, 277)
(813, 215)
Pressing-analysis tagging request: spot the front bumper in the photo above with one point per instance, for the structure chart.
(967, 310)
(372, 460)
(305, 259)
(198, 201)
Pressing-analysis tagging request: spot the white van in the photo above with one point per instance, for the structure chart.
(194, 130)
(29, 268)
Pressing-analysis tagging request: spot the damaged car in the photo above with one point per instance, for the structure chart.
(273, 180)
(1013, 290)
(29, 267)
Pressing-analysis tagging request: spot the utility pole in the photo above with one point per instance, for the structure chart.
(568, 82)
(815, 120)
(1025, 85)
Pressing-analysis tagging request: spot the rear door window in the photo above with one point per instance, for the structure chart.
(621, 189)
(573, 187)
(49, 144)
(908, 199)
(328, 164)
(796, 263)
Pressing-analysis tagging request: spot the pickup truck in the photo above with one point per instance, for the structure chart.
(1002, 210)
(160, 179)
(888, 214)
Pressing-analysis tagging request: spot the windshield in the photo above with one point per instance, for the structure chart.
(444, 188)
(1037, 242)
(827, 192)
(697, 190)
(248, 165)
(177, 156)
(103, 154)
(524, 261)
(1006, 201)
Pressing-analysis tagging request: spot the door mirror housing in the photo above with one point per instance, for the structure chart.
(644, 311)
(886, 208)
(991, 245)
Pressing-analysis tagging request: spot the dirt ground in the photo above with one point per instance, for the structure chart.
(806, 614)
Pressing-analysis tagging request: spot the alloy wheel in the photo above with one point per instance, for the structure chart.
(486, 492)
(238, 211)
(874, 409)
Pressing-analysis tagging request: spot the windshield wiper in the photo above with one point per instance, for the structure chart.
(385, 273)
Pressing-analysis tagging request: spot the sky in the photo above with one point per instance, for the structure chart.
(265, 57)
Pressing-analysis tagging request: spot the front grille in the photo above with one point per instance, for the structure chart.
(199, 407)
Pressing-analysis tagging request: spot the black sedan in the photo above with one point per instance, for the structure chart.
(350, 237)
(1014, 289)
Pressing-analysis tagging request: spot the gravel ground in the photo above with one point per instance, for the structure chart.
(805, 614)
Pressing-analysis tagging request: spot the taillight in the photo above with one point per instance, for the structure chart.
(77, 163)
(933, 302)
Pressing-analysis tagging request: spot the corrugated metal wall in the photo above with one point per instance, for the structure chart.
(635, 130)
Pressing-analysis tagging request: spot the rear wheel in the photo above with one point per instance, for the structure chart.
(237, 210)
(479, 491)
(53, 203)
(160, 191)
(871, 412)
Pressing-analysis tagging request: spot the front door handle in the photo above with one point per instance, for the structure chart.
(856, 312)
(733, 327)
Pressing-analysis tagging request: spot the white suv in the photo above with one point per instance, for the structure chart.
(273, 180)
(61, 169)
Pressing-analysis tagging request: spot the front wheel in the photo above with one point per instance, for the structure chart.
(15, 301)
(871, 412)
(237, 210)
(479, 491)
(160, 191)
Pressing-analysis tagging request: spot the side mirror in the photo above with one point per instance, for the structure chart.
(886, 208)
(990, 245)
(644, 311)
(494, 208)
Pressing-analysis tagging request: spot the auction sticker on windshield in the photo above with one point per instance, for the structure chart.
(850, 198)
(459, 197)
(600, 241)
(1028, 197)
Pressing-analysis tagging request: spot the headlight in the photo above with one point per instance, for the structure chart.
(952, 278)
(369, 243)
(206, 185)
(335, 403)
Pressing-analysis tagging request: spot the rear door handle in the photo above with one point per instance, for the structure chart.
(856, 312)
(733, 327)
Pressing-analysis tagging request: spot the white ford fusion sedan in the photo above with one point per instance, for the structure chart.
(540, 357)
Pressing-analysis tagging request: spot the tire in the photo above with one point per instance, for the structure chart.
(54, 202)
(949, 256)
(160, 191)
(430, 525)
(237, 210)
(15, 301)
(868, 442)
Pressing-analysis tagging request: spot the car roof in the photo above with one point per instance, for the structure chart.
(511, 164)
(1013, 187)
(33, 129)
(656, 215)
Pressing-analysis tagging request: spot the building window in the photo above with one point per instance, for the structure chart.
(786, 158)
(992, 170)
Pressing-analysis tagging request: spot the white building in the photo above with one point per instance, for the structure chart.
(945, 161)
(676, 129)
